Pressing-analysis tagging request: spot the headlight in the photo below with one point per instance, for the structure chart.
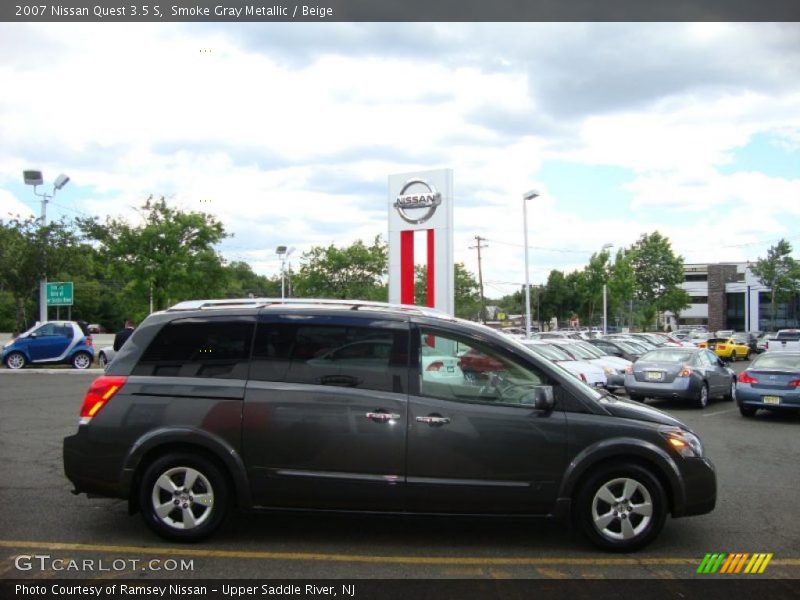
(684, 443)
(609, 371)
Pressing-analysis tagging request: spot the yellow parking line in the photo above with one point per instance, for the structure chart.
(360, 558)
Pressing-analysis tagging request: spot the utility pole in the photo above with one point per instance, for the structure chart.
(478, 247)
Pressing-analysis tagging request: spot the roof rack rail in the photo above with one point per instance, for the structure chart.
(261, 302)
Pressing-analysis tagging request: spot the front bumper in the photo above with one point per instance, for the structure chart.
(700, 488)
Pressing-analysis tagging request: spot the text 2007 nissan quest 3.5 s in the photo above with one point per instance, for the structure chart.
(362, 406)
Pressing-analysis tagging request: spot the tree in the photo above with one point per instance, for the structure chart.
(29, 252)
(242, 282)
(554, 296)
(676, 300)
(595, 276)
(357, 271)
(656, 270)
(465, 295)
(169, 257)
(622, 284)
(779, 272)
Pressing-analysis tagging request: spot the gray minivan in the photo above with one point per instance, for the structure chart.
(328, 405)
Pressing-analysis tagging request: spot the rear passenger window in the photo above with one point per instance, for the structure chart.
(217, 348)
(370, 358)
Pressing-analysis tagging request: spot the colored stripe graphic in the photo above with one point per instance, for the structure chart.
(720, 562)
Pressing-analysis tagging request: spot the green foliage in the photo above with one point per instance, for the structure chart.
(29, 252)
(357, 271)
(169, 257)
(780, 272)
(675, 300)
(466, 293)
(242, 282)
(656, 269)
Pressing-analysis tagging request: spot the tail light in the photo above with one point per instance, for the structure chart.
(722, 347)
(583, 378)
(100, 393)
(88, 341)
(766, 345)
(794, 383)
(685, 372)
(629, 369)
(435, 366)
(747, 378)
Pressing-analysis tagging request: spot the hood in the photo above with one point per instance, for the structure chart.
(627, 409)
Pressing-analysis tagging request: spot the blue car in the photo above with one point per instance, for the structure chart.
(54, 342)
(771, 382)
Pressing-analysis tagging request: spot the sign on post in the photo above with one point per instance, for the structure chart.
(59, 293)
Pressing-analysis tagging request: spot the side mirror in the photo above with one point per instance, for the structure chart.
(540, 398)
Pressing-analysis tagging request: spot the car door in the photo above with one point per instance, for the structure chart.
(50, 341)
(718, 373)
(475, 446)
(324, 424)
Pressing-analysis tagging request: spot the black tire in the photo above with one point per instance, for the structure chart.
(621, 527)
(16, 360)
(208, 483)
(747, 411)
(731, 395)
(702, 397)
(733, 356)
(102, 360)
(81, 360)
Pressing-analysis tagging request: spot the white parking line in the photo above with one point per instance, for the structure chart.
(721, 412)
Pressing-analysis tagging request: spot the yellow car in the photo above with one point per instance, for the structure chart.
(726, 348)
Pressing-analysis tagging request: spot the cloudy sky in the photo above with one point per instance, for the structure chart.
(288, 131)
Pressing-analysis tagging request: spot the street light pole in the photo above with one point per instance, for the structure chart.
(530, 195)
(283, 252)
(35, 179)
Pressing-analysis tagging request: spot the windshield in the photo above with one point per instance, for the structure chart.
(547, 351)
(628, 347)
(576, 351)
(593, 350)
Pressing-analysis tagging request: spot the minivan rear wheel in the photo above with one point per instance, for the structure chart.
(183, 497)
(622, 507)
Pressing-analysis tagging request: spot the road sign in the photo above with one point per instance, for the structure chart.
(59, 293)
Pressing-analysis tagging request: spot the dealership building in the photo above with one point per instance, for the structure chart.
(730, 296)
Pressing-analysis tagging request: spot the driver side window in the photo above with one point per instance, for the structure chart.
(456, 368)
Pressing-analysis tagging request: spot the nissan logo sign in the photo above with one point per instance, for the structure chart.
(423, 200)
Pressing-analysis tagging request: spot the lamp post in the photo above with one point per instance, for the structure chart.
(605, 296)
(34, 178)
(530, 195)
(283, 252)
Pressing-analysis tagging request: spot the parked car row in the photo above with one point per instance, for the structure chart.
(51, 343)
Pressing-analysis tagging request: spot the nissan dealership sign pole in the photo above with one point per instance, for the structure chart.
(422, 201)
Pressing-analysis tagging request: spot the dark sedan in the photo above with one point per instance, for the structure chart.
(686, 373)
(618, 348)
(771, 382)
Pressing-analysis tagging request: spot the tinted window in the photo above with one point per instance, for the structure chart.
(200, 348)
(372, 358)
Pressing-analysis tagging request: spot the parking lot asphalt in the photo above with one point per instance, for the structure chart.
(756, 461)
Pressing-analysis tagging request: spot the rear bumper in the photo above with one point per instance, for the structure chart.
(682, 388)
(748, 396)
(92, 472)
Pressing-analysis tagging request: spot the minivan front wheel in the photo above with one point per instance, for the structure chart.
(621, 508)
(183, 497)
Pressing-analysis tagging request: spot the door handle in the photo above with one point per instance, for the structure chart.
(434, 420)
(382, 417)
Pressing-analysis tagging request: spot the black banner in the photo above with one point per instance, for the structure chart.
(389, 589)
(400, 10)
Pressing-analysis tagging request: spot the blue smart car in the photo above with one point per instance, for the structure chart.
(54, 342)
